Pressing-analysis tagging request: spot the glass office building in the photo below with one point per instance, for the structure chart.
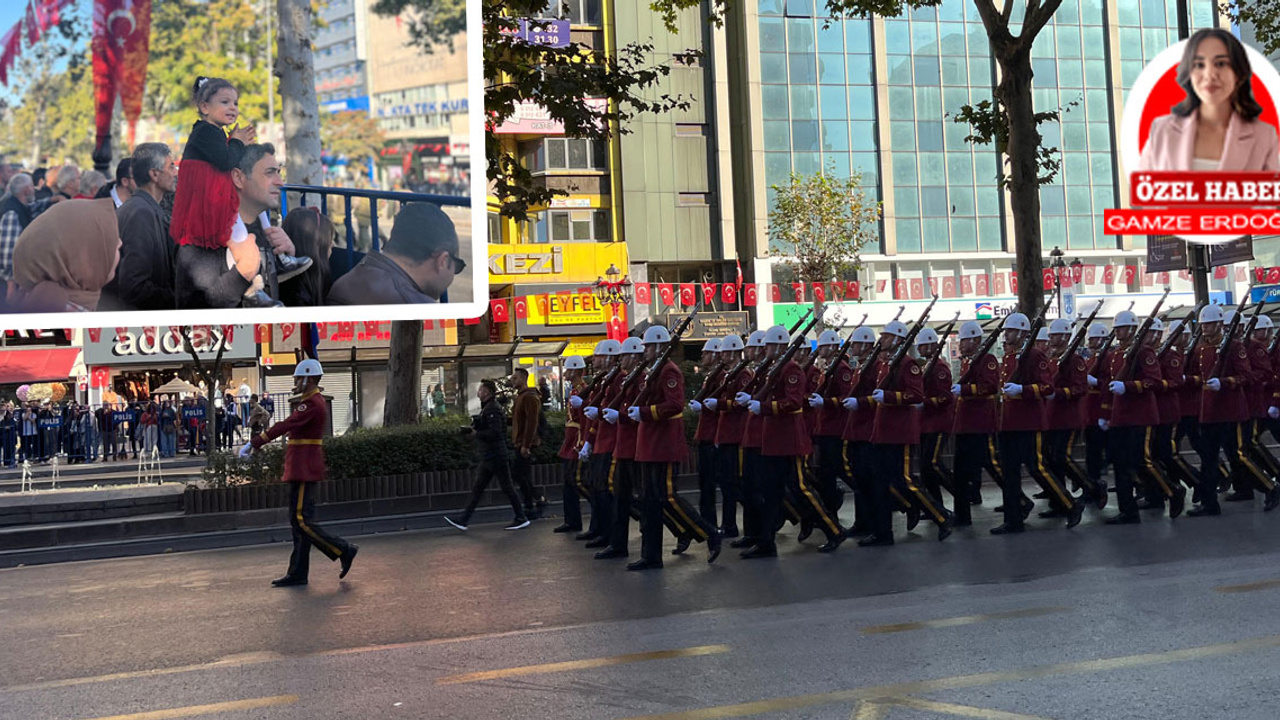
(877, 96)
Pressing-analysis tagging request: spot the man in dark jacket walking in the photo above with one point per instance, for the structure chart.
(490, 431)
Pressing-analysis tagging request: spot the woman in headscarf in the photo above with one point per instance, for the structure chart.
(64, 257)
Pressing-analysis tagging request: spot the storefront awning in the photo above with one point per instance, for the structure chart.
(37, 365)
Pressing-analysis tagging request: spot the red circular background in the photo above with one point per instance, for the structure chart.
(1167, 93)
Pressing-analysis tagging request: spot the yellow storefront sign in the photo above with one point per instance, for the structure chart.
(573, 309)
(554, 263)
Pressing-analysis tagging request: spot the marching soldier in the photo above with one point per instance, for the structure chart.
(1095, 438)
(575, 485)
(1131, 414)
(1022, 425)
(977, 422)
(1259, 400)
(752, 438)
(303, 466)
(1223, 408)
(705, 434)
(598, 450)
(729, 428)
(1066, 412)
(785, 443)
(660, 446)
(861, 417)
(1172, 378)
(831, 418)
(621, 472)
(936, 420)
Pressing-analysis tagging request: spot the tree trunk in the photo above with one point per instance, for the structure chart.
(1014, 92)
(296, 70)
(404, 374)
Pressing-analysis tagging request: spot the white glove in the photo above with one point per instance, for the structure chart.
(710, 404)
(247, 450)
(575, 402)
(592, 413)
(611, 416)
(1012, 389)
(816, 401)
(1273, 412)
(585, 452)
(878, 396)
(1093, 381)
(918, 406)
(1104, 423)
(633, 412)
(742, 398)
(1116, 387)
(695, 406)
(955, 389)
(850, 403)
(1213, 384)
(754, 407)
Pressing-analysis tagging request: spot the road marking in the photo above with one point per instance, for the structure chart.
(1249, 587)
(868, 711)
(961, 710)
(195, 710)
(583, 664)
(959, 682)
(963, 620)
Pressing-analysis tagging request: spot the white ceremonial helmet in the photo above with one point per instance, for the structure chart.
(575, 362)
(927, 336)
(632, 346)
(777, 335)
(1229, 316)
(1042, 333)
(1264, 323)
(828, 338)
(896, 329)
(656, 334)
(756, 339)
(731, 343)
(1125, 318)
(970, 329)
(308, 368)
(712, 346)
(1018, 321)
(864, 335)
(1098, 330)
(1211, 314)
(609, 348)
(1157, 325)
(1061, 326)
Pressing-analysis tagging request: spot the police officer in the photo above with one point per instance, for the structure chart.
(9, 434)
(575, 486)
(1066, 412)
(705, 434)
(785, 443)
(1022, 425)
(835, 383)
(598, 450)
(937, 416)
(977, 422)
(304, 466)
(660, 446)
(729, 429)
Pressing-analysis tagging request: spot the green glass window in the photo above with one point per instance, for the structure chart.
(807, 163)
(964, 235)
(928, 103)
(1043, 47)
(1068, 13)
(935, 235)
(777, 135)
(1074, 137)
(804, 136)
(773, 37)
(933, 202)
(952, 10)
(906, 201)
(1100, 168)
(1051, 135)
(800, 35)
(1129, 72)
(1046, 72)
(1053, 230)
(1096, 106)
(927, 72)
(904, 169)
(1094, 43)
(924, 38)
(960, 169)
(1130, 43)
(836, 164)
(777, 168)
(835, 102)
(902, 136)
(835, 136)
(863, 135)
(955, 134)
(1099, 136)
(955, 71)
(951, 39)
(990, 234)
(831, 39)
(1080, 232)
(773, 68)
(1153, 12)
(1070, 73)
(1075, 165)
(988, 197)
(979, 45)
(800, 8)
(1095, 73)
(862, 103)
(1153, 41)
(899, 69)
(897, 37)
(908, 235)
(861, 71)
(1068, 40)
(831, 69)
(929, 136)
(1104, 197)
(1080, 200)
(804, 102)
(1130, 14)
(1051, 200)
(770, 7)
(901, 105)
(867, 164)
(857, 36)
(933, 168)
(804, 70)
(961, 199)
(1091, 12)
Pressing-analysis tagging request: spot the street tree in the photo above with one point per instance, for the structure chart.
(404, 366)
(819, 224)
(295, 66)
(353, 135)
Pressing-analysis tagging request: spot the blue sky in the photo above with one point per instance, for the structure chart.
(11, 11)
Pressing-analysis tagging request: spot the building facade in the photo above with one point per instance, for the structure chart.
(341, 50)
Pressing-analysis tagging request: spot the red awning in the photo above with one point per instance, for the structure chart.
(37, 365)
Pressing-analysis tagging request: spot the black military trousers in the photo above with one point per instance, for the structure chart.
(573, 491)
(1025, 448)
(831, 471)
(859, 471)
(600, 479)
(707, 481)
(935, 475)
(659, 496)
(974, 452)
(306, 533)
(729, 463)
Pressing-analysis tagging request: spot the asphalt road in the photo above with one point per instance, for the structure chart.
(1164, 620)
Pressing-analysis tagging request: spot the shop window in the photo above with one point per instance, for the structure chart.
(556, 226)
(577, 12)
(566, 154)
(495, 228)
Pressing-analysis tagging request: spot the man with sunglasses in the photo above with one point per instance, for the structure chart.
(417, 264)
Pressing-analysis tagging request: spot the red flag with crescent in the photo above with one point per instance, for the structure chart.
(667, 294)
(708, 293)
(775, 292)
(644, 295)
(729, 294)
(750, 294)
(498, 309)
(95, 334)
(1013, 283)
(287, 330)
(522, 307)
(687, 295)
(149, 333)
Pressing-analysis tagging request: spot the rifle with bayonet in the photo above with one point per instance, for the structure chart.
(1074, 346)
(1176, 330)
(830, 372)
(760, 390)
(742, 364)
(652, 371)
(984, 350)
(1019, 371)
(942, 344)
(1228, 333)
(904, 347)
(1106, 344)
(1135, 345)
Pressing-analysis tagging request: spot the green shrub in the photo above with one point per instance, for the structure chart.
(225, 469)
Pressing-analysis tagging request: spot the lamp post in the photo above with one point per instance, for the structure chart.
(1056, 263)
(615, 293)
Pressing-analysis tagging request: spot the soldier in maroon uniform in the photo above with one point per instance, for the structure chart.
(730, 424)
(937, 416)
(598, 450)
(704, 436)
(660, 446)
(1172, 377)
(1132, 413)
(785, 443)
(1223, 410)
(1066, 412)
(977, 421)
(1095, 438)
(303, 466)
(1027, 383)
(1259, 396)
(575, 486)
(752, 438)
(832, 386)
(861, 416)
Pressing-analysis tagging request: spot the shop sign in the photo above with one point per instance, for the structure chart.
(568, 262)
(133, 347)
(575, 309)
(427, 107)
(530, 118)
(568, 312)
(708, 325)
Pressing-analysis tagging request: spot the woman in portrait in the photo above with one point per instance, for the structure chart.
(1216, 126)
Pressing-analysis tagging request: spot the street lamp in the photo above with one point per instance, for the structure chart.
(615, 293)
(1055, 262)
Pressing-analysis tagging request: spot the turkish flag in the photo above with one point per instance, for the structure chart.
(688, 295)
(948, 287)
(101, 377)
(1108, 274)
(1090, 274)
(121, 38)
(428, 325)
(95, 334)
(229, 333)
(176, 332)
(522, 307)
(900, 289)
(1013, 283)
(200, 335)
(642, 294)
(1130, 272)
(708, 293)
(471, 321)
(854, 290)
(287, 330)
(544, 304)
(1047, 278)
(966, 285)
(750, 293)
(1273, 275)
(323, 330)
(917, 288)
(797, 292)
(149, 333)
(775, 292)
(564, 298)
(1220, 273)
(1260, 274)
(819, 292)
(997, 284)
(371, 328)
(933, 286)
(262, 333)
(838, 290)
(667, 294)
(729, 294)
(1184, 274)
(881, 285)
(616, 329)
(1163, 278)
(498, 308)
(121, 331)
